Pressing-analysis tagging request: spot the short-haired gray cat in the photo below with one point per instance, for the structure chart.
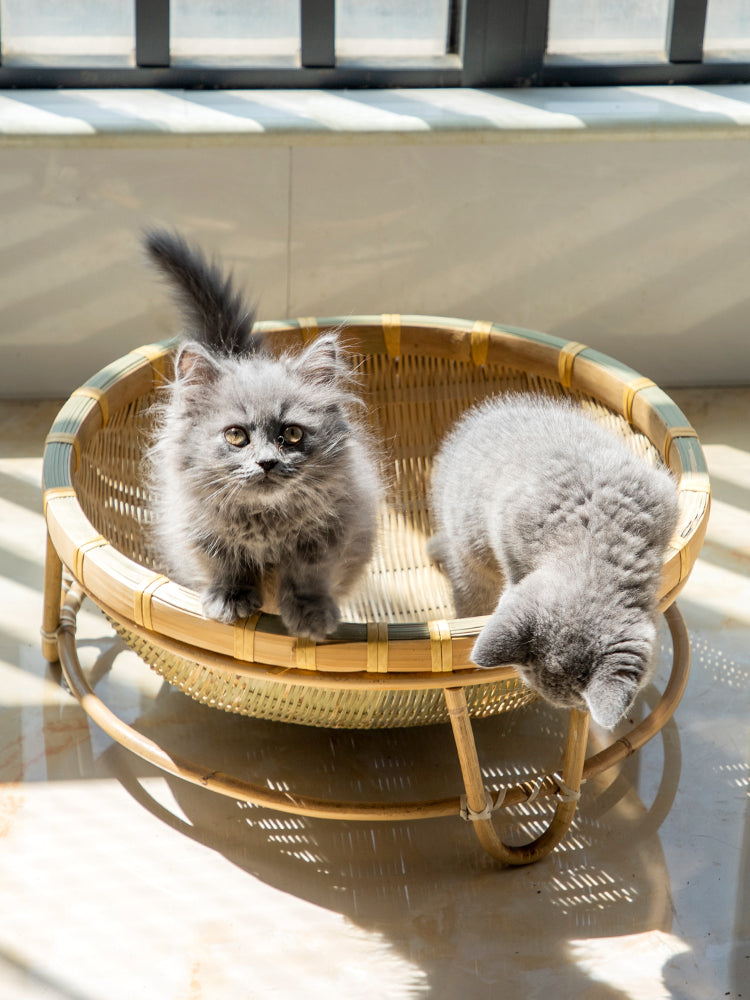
(536, 504)
(258, 468)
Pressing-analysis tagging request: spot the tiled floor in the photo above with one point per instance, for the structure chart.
(117, 883)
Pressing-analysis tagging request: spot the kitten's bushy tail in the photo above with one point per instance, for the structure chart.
(215, 315)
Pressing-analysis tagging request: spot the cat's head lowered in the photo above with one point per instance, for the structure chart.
(574, 647)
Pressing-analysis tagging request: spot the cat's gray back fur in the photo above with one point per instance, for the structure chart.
(535, 502)
(228, 518)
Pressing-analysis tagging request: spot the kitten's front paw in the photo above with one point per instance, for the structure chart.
(312, 616)
(228, 604)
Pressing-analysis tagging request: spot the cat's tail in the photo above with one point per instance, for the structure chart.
(214, 314)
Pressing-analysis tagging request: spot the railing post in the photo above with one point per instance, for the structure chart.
(685, 30)
(152, 33)
(503, 43)
(318, 33)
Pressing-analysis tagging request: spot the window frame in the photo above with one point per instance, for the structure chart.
(497, 43)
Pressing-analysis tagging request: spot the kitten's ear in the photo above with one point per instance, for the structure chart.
(610, 694)
(322, 361)
(195, 365)
(612, 689)
(504, 639)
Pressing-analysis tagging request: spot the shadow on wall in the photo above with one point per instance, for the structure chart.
(75, 292)
(636, 246)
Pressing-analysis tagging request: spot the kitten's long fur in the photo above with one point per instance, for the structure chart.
(258, 469)
(536, 504)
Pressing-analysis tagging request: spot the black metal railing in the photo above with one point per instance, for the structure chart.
(491, 43)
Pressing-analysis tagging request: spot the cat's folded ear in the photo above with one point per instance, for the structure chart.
(504, 639)
(613, 686)
(194, 365)
(609, 694)
(322, 361)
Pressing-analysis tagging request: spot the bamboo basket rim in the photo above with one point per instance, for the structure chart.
(149, 601)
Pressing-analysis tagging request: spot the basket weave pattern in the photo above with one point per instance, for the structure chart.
(399, 640)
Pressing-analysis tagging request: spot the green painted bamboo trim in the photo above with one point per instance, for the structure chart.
(692, 457)
(413, 321)
(72, 415)
(99, 396)
(617, 369)
(308, 327)
(533, 336)
(108, 376)
(62, 440)
(631, 390)
(656, 397)
(156, 349)
(566, 359)
(374, 322)
(666, 409)
(57, 466)
(156, 354)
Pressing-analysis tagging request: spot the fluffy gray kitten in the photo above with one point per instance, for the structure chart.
(258, 470)
(536, 504)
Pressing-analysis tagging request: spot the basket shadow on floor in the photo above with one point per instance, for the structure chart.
(330, 861)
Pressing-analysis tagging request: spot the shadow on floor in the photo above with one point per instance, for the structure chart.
(425, 886)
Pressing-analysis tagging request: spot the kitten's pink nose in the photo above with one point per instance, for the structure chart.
(268, 464)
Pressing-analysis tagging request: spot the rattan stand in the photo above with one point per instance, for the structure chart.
(400, 656)
(476, 805)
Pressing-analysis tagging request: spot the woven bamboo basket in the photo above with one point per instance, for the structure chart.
(400, 657)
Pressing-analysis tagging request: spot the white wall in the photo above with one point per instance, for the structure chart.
(621, 220)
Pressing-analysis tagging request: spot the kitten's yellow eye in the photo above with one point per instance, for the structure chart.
(236, 436)
(292, 434)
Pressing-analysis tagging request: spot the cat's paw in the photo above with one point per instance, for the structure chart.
(228, 604)
(312, 616)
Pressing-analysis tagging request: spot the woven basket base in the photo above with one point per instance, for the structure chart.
(331, 708)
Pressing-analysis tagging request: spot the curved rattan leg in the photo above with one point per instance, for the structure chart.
(52, 596)
(218, 781)
(565, 786)
(615, 753)
(476, 795)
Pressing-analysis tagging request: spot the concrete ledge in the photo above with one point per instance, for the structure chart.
(106, 116)
(617, 217)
